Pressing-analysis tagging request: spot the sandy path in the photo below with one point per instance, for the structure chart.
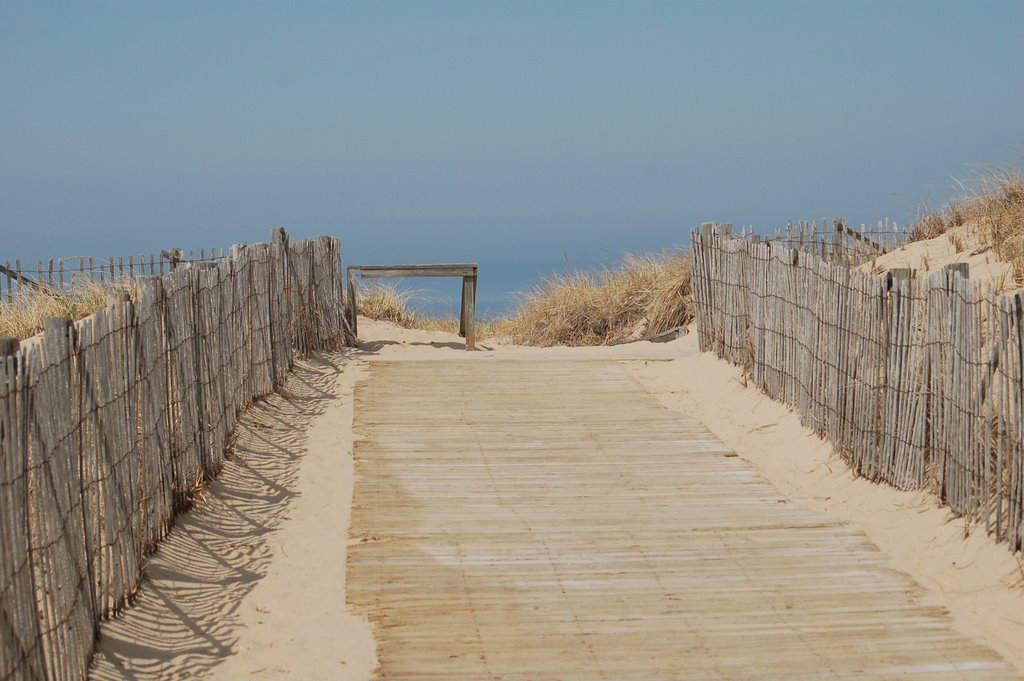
(258, 565)
(294, 623)
(250, 583)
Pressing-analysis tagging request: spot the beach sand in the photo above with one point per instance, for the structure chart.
(960, 244)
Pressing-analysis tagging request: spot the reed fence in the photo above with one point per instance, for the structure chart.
(110, 424)
(916, 381)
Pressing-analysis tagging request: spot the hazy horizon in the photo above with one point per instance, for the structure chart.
(523, 136)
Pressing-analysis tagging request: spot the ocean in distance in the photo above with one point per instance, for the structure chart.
(500, 285)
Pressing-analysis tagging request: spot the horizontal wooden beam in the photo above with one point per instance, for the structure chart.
(842, 227)
(388, 271)
(19, 277)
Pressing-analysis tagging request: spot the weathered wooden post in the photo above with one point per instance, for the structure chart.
(352, 311)
(469, 309)
(961, 268)
(8, 346)
(173, 256)
(281, 323)
(279, 235)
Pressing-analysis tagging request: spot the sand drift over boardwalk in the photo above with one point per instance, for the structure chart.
(550, 520)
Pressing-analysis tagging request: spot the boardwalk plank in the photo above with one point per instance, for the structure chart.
(537, 520)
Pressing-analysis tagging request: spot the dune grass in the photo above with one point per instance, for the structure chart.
(23, 316)
(390, 302)
(993, 208)
(387, 302)
(644, 295)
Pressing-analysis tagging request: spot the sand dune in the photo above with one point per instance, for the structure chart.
(958, 245)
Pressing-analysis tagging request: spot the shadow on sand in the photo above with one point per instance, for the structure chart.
(184, 620)
(374, 347)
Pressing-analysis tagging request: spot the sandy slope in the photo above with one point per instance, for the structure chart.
(959, 245)
(277, 608)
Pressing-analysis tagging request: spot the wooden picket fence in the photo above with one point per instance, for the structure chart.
(917, 381)
(68, 274)
(835, 239)
(109, 425)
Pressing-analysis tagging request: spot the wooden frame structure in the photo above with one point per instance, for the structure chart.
(468, 272)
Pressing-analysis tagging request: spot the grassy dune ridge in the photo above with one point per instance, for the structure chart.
(643, 295)
(23, 317)
(992, 207)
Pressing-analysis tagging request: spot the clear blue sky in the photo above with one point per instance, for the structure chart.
(512, 133)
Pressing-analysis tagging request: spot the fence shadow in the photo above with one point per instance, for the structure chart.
(184, 619)
(374, 347)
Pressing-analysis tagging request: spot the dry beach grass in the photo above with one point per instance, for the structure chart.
(992, 209)
(643, 295)
(23, 316)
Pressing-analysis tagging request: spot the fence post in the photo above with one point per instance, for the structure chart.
(173, 256)
(961, 268)
(279, 235)
(8, 346)
(353, 313)
(280, 323)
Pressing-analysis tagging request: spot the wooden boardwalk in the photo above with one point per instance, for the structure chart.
(523, 520)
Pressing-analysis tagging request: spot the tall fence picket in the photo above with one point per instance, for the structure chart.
(21, 637)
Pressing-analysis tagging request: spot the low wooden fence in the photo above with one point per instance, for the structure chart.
(834, 239)
(917, 382)
(69, 274)
(109, 425)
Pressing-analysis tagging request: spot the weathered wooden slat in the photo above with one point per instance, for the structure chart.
(16, 275)
(60, 560)
(390, 271)
(21, 652)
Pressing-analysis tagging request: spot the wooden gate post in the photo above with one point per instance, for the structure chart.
(468, 310)
(353, 313)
